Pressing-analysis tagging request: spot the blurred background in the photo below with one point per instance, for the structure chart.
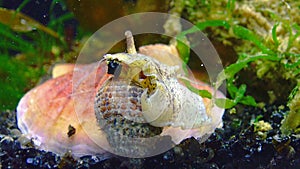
(36, 34)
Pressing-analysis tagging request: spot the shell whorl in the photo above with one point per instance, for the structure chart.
(119, 113)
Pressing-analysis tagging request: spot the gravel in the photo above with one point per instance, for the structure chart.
(234, 146)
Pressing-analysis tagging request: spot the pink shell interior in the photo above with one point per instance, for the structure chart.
(45, 113)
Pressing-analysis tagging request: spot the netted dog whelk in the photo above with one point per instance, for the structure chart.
(132, 95)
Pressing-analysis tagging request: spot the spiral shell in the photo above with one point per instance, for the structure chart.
(169, 103)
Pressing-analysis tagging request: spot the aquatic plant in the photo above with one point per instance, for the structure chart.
(291, 122)
(28, 49)
(266, 42)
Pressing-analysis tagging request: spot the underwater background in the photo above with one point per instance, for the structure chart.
(257, 41)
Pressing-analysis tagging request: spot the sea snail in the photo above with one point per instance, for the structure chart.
(126, 95)
(163, 100)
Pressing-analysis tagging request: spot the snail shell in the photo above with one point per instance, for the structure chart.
(143, 97)
(119, 114)
(164, 101)
(46, 113)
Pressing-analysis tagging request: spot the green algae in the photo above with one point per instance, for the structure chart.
(265, 35)
(291, 122)
(28, 49)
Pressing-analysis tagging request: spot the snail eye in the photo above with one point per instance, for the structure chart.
(114, 68)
